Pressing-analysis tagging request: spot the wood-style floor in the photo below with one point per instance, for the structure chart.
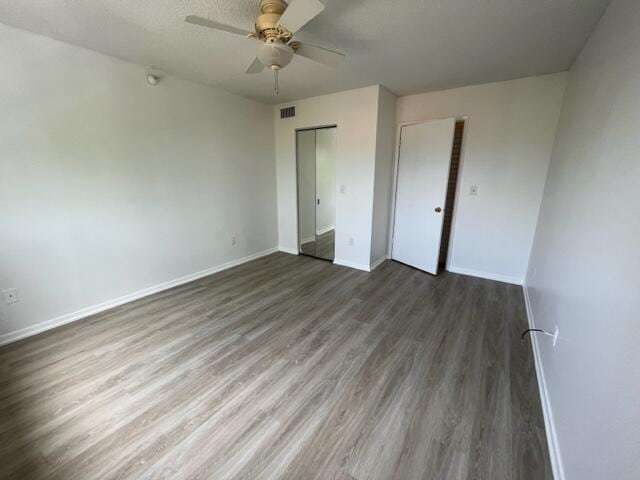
(285, 367)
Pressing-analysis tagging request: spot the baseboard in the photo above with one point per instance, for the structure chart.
(357, 266)
(307, 240)
(291, 251)
(490, 276)
(101, 307)
(325, 230)
(378, 262)
(547, 412)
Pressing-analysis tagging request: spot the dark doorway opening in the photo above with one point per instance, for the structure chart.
(451, 193)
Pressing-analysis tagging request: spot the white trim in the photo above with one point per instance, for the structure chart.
(547, 412)
(101, 307)
(291, 251)
(307, 240)
(491, 276)
(322, 231)
(357, 266)
(378, 262)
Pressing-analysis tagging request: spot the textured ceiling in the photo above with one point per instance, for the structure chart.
(409, 46)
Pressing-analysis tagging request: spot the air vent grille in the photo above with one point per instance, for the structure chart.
(287, 112)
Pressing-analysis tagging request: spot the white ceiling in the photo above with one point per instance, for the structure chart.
(409, 46)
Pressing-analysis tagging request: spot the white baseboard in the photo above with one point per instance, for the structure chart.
(101, 307)
(547, 412)
(307, 240)
(357, 266)
(325, 230)
(291, 251)
(490, 276)
(378, 262)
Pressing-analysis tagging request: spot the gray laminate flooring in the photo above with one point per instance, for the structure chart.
(285, 367)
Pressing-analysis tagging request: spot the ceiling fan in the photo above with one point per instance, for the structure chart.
(275, 27)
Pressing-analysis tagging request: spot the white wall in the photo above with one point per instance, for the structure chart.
(109, 186)
(384, 166)
(506, 151)
(325, 179)
(583, 274)
(355, 114)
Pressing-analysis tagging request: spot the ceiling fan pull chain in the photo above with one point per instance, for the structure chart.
(275, 80)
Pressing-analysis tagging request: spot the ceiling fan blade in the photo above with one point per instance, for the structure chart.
(205, 22)
(320, 55)
(299, 13)
(255, 66)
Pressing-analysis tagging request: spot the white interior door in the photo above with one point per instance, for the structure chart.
(423, 174)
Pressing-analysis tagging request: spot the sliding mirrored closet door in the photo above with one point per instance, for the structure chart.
(316, 164)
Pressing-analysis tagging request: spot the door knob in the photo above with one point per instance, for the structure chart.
(438, 209)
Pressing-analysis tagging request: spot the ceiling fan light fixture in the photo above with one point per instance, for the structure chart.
(274, 54)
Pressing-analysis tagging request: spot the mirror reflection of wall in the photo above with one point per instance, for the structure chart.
(306, 143)
(316, 157)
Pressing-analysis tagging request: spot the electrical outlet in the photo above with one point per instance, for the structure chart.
(233, 241)
(556, 332)
(473, 190)
(351, 241)
(10, 295)
(343, 189)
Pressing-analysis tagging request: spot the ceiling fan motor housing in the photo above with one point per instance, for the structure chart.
(267, 22)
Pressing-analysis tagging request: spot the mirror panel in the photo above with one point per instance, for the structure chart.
(325, 192)
(306, 153)
(316, 166)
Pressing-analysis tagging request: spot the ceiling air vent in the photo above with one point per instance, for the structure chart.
(288, 112)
